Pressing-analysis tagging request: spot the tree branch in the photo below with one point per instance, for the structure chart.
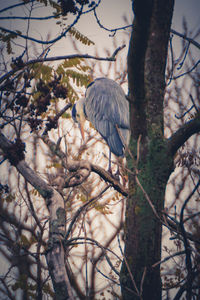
(41, 41)
(16, 5)
(191, 41)
(55, 204)
(114, 30)
(182, 135)
(49, 59)
(39, 184)
(29, 18)
(80, 170)
(80, 210)
(107, 29)
(107, 177)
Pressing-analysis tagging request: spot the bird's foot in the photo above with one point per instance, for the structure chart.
(118, 176)
(115, 176)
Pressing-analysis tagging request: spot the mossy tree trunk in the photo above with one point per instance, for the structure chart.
(146, 75)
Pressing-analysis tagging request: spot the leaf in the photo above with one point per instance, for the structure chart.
(24, 241)
(9, 198)
(66, 116)
(57, 165)
(83, 198)
(34, 192)
(77, 70)
(41, 71)
(47, 289)
(55, 5)
(137, 209)
(102, 208)
(60, 70)
(80, 37)
(33, 239)
(72, 62)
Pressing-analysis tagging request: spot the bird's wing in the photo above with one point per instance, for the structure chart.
(106, 107)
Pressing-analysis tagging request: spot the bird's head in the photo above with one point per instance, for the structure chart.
(78, 115)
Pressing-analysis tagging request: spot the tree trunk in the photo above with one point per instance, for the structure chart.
(146, 74)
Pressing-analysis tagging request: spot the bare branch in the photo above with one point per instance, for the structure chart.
(80, 210)
(187, 246)
(55, 204)
(105, 28)
(190, 40)
(167, 258)
(182, 135)
(187, 72)
(173, 225)
(107, 177)
(80, 170)
(29, 18)
(41, 41)
(49, 59)
(16, 5)
(56, 117)
(43, 188)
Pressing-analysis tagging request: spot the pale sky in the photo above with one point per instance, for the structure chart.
(110, 13)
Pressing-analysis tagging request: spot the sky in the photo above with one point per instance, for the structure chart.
(110, 13)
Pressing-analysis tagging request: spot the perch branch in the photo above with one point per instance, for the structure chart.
(107, 177)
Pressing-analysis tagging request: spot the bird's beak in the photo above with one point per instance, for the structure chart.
(82, 130)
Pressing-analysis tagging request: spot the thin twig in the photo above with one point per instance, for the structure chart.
(142, 281)
(138, 150)
(16, 5)
(62, 57)
(185, 38)
(187, 72)
(41, 41)
(107, 29)
(79, 211)
(147, 198)
(167, 258)
(128, 268)
(187, 245)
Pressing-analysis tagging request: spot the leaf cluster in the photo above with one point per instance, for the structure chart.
(7, 38)
(5, 194)
(37, 90)
(74, 72)
(30, 288)
(73, 6)
(80, 37)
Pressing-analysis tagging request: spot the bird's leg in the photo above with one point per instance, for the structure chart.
(121, 172)
(116, 175)
(109, 165)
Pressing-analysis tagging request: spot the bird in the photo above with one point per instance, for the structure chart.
(105, 105)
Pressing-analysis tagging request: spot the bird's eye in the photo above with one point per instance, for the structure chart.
(77, 115)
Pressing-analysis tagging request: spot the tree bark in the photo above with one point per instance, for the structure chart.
(146, 76)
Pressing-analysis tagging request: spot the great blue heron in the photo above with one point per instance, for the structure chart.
(106, 107)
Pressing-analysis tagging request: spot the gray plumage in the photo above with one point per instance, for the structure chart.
(106, 107)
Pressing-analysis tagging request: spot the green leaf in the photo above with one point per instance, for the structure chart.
(66, 116)
(24, 241)
(80, 37)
